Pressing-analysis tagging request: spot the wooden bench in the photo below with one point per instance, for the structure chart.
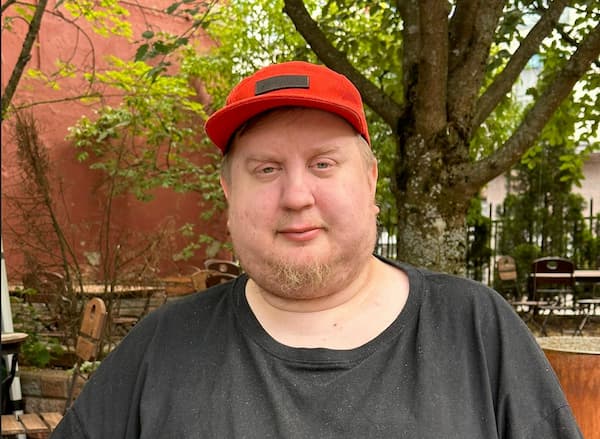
(38, 425)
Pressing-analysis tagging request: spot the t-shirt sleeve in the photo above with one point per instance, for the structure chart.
(530, 403)
(69, 428)
(109, 403)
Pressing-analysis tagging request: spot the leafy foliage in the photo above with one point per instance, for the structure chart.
(37, 350)
(541, 216)
(478, 237)
(161, 110)
(108, 17)
(151, 140)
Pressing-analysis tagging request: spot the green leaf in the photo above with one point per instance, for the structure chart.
(141, 52)
(173, 7)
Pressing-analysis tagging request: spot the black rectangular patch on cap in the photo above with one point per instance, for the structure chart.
(280, 83)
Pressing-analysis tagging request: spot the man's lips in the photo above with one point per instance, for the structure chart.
(300, 234)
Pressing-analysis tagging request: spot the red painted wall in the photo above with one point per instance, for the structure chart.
(75, 183)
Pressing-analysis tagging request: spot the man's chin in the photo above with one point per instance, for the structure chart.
(292, 279)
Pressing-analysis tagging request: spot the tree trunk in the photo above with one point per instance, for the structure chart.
(431, 212)
(428, 237)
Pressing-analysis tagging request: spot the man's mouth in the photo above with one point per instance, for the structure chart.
(300, 234)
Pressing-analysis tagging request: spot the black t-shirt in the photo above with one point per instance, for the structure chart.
(456, 363)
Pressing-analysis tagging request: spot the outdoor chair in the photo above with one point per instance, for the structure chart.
(93, 322)
(215, 278)
(189, 269)
(552, 281)
(220, 271)
(506, 271)
(199, 279)
(552, 278)
(223, 266)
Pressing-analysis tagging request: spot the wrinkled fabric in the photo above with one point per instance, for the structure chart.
(456, 363)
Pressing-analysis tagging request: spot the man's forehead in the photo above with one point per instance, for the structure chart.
(282, 119)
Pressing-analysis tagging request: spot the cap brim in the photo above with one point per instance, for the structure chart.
(223, 123)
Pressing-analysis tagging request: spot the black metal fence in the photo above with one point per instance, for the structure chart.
(488, 236)
(580, 242)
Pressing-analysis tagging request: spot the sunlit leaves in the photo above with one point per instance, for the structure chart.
(149, 140)
(186, 7)
(108, 17)
(25, 11)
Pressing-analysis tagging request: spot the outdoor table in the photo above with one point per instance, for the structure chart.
(583, 276)
(531, 309)
(587, 276)
(589, 312)
(11, 342)
(579, 276)
(120, 290)
(576, 305)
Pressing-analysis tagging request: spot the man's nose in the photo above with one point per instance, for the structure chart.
(297, 191)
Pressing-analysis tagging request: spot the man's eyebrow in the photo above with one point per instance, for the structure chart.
(333, 149)
(259, 158)
(328, 148)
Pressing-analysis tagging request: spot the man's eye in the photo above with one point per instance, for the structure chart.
(267, 170)
(322, 165)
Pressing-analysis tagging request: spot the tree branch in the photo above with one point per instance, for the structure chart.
(561, 85)
(24, 56)
(528, 47)
(464, 81)
(379, 102)
(461, 31)
(430, 105)
(560, 28)
(6, 5)
(79, 97)
(411, 42)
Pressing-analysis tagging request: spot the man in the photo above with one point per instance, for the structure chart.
(319, 339)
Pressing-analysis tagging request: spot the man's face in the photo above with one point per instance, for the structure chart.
(301, 197)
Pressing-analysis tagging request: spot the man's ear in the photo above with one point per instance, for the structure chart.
(224, 186)
(373, 175)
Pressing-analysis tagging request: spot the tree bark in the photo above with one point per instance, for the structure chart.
(24, 57)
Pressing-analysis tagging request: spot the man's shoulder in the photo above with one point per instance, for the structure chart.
(438, 281)
(433, 288)
(194, 310)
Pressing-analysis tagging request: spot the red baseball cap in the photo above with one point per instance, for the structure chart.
(289, 84)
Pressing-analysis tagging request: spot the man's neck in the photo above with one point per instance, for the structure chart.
(345, 319)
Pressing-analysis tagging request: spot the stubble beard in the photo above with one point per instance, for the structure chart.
(300, 281)
(289, 279)
(296, 280)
